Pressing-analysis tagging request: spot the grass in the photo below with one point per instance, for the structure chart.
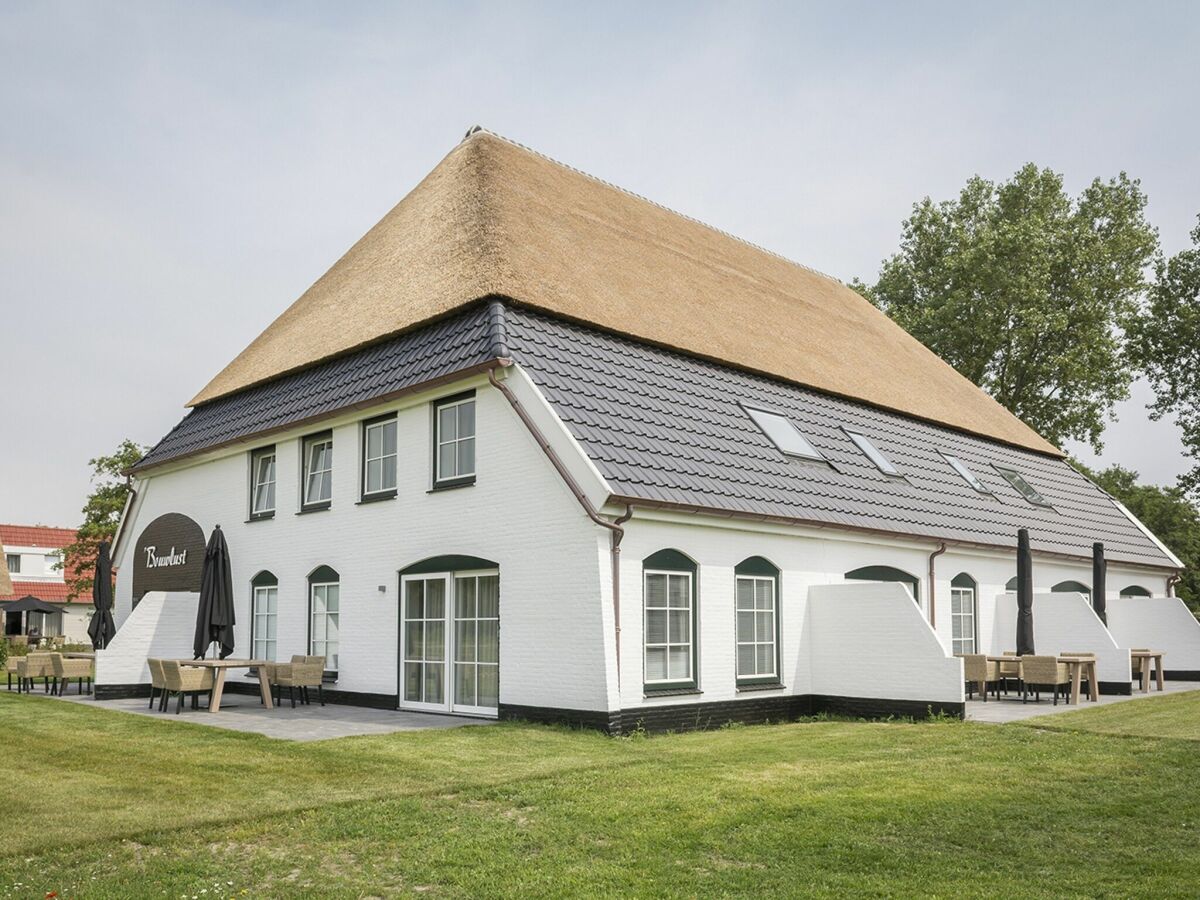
(106, 804)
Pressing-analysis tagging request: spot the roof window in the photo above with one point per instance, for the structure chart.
(864, 444)
(1023, 487)
(784, 434)
(968, 476)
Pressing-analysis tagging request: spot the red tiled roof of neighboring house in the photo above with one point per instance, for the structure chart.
(35, 536)
(49, 591)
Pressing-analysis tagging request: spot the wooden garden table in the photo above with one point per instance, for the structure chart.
(1147, 656)
(221, 666)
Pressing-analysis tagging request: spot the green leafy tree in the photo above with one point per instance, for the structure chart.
(101, 515)
(1025, 291)
(1168, 512)
(1164, 342)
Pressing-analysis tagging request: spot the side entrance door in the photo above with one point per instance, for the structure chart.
(450, 642)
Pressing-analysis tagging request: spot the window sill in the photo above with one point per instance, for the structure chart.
(649, 693)
(261, 517)
(450, 486)
(316, 507)
(376, 497)
(764, 686)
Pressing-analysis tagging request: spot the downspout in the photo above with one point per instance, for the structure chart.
(932, 584)
(614, 528)
(1173, 580)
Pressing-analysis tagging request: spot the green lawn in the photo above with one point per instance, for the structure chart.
(101, 803)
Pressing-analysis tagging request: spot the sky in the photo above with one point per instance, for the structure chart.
(173, 176)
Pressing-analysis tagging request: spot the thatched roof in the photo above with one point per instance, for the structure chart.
(495, 218)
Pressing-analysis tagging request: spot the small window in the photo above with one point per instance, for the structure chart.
(13, 561)
(379, 458)
(784, 434)
(1135, 590)
(318, 471)
(454, 441)
(324, 633)
(264, 615)
(962, 613)
(1023, 487)
(757, 624)
(669, 598)
(262, 485)
(968, 476)
(881, 462)
(50, 561)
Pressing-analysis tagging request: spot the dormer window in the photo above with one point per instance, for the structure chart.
(968, 476)
(1023, 487)
(872, 452)
(784, 434)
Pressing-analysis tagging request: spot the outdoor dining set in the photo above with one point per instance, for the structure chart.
(183, 678)
(54, 668)
(1063, 674)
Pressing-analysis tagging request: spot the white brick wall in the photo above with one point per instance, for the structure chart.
(1158, 623)
(1061, 622)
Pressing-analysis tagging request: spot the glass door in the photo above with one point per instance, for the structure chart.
(423, 662)
(450, 642)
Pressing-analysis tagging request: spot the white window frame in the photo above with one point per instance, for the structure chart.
(257, 619)
(310, 444)
(773, 642)
(440, 478)
(381, 425)
(8, 562)
(873, 453)
(966, 473)
(668, 644)
(783, 433)
(958, 644)
(257, 482)
(332, 661)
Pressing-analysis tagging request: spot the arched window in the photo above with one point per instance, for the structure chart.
(963, 598)
(264, 614)
(1011, 585)
(887, 573)
(324, 601)
(1067, 587)
(756, 598)
(1135, 590)
(669, 626)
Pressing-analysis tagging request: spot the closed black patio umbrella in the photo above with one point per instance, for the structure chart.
(102, 628)
(1099, 574)
(1024, 594)
(214, 615)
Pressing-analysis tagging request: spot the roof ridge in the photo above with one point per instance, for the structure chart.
(479, 129)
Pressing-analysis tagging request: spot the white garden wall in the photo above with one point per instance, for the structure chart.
(870, 640)
(1158, 623)
(1062, 622)
(162, 627)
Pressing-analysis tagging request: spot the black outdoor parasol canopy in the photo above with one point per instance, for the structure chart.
(30, 603)
(1024, 594)
(214, 615)
(1099, 574)
(101, 629)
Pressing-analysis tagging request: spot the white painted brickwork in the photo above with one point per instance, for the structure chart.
(161, 628)
(1062, 622)
(1158, 623)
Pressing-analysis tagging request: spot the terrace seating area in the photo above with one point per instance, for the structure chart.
(54, 670)
(193, 679)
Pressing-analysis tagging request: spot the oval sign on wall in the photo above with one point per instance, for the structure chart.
(169, 556)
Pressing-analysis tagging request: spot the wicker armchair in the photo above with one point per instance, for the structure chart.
(302, 672)
(31, 666)
(978, 671)
(1044, 671)
(182, 680)
(157, 684)
(1010, 670)
(11, 668)
(65, 669)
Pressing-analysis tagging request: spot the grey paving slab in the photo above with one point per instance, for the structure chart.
(997, 712)
(304, 723)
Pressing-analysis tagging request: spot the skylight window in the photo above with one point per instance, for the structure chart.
(784, 434)
(968, 476)
(864, 444)
(1023, 487)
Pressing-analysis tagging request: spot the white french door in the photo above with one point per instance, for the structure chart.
(450, 642)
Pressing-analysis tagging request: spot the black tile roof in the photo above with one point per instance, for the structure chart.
(416, 358)
(669, 428)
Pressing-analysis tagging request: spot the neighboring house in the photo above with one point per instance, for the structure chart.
(537, 447)
(31, 557)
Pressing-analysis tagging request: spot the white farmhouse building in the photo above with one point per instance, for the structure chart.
(536, 447)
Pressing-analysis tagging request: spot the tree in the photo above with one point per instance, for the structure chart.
(1025, 291)
(1164, 342)
(1167, 512)
(101, 515)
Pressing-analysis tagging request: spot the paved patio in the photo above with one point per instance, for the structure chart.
(1013, 710)
(241, 712)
